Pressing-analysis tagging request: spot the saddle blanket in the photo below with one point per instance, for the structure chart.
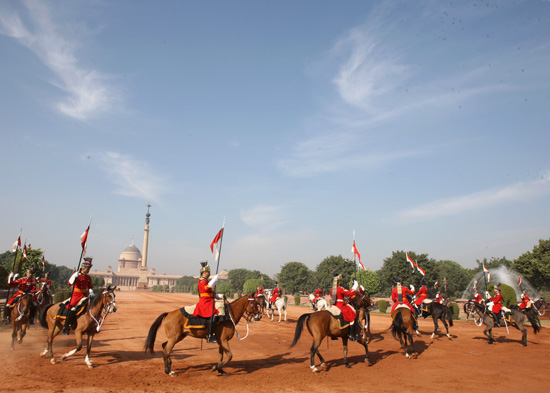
(196, 322)
(79, 308)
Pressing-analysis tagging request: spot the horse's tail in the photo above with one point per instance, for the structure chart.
(43, 315)
(396, 327)
(150, 342)
(299, 328)
(534, 322)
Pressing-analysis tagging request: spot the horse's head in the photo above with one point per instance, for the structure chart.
(25, 303)
(110, 303)
(253, 310)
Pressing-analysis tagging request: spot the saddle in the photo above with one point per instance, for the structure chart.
(79, 309)
(337, 314)
(198, 322)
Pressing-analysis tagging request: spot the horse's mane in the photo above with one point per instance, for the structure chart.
(94, 300)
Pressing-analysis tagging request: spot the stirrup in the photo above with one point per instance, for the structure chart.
(211, 339)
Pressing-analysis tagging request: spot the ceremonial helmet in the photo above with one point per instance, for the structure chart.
(87, 262)
(498, 287)
(397, 280)
(337, 276)
(422, 281)
(205, 267)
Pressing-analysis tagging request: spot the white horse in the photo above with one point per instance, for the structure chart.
(280, 303)
(321, 303)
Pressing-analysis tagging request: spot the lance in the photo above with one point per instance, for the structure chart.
(14, 261)
(354, 261)
(84, 238)
(445, 283)
(218, 255)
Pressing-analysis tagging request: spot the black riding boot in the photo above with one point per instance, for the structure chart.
(32, 314)
(6, 314)
(497, 319)
(211, 336)
(68, 322)
(352, 331)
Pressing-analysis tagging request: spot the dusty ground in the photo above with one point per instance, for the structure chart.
(263, 362)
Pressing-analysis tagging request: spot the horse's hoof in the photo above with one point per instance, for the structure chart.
(432, 336)
(214, 367)
(52, 361)
(450, 338)
(223, 373)
(407, 355)
(90, 366)
(348, 365)
(368, 363)
(323, 366)
(314, 369)
(172, 374)
(413, 356)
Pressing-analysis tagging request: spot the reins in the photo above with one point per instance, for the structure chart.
(105, 310)
(247, 318)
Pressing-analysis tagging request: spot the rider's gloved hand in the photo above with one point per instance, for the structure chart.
(10, 278)
(355, 285)
(213, 281)
(73, 277)
(91, 292)
(487, 295)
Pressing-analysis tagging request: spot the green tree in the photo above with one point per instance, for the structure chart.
(251, 285)
(324, 272)
(185, 284)
(225, 288)
(294, 277)
(237, 278)
(98, 282)
(457, 277)
(369, 280)
(535, 265)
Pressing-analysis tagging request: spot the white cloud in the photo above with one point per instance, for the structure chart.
(518, 192)
(264, 217)
(133, 178)
(88, 91)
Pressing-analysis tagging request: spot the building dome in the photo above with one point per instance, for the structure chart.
(130, 258)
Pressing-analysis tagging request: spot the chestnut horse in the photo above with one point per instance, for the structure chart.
(99, 306)
(321, 324)
(402, 329)
(19, 317)
(175, 330)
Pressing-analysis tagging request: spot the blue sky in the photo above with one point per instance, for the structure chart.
(420, 125)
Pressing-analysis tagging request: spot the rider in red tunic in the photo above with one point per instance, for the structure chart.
(497, 304)
(525, 301)
(259, 291)
(276, 294)
(318, 295)
(478, 298)
(348, 312)
(82, 287)
(439, 298)
(399, 296)
(25, 284)
(205, 307)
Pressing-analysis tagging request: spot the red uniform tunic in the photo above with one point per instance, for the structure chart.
(348, 312)
(396, 297)
(275, 295)
(82, 285)
(497, 302)
(259, 291)
(318, 294)
(25, 285)
(205, 306)
(478, 298)
(524, 301)
(47, 283)
(421, 295)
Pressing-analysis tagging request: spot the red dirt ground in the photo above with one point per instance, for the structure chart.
(263, 362)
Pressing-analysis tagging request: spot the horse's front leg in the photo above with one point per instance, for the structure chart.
(223, 348)
(315, 350)
(279, 311)
(23, 330)
(78, 334)
(436, 326)
(413, 352)
(446, 327)
(13, 333)
(88, 349)
(363, 341)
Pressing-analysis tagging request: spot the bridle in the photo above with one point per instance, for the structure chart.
(109, 306)
(26, 307)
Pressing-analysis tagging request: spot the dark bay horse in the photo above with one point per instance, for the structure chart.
(20, 317)
(517, 319)
(262, 302)
(437, 311)
(99, 306)
(402, 329)
(43, 298)
(174, 327)
(364, 302)
(321, 324)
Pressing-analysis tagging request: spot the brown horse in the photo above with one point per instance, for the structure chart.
(364, 302)
(321, 324)
(43, 298)
(176, 330)
(262, 302)
(19, 317)
(402, 329)
(517, 319)
(99, 306)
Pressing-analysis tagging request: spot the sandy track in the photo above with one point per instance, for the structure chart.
(263, 362)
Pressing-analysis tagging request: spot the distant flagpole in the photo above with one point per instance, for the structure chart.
(356, 252)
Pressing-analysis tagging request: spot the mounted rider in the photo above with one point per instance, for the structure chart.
(439, 298)
(421, 296)
(205, 307)
(26, 284)
(526, 302)
(478, 298)
(399, 297)
(496, 305)
(82, 288)
(46, 285)
(338, 293)
(317, 295)
(276, 294)
(259, 291)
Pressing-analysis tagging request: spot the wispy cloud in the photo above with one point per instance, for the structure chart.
(132, 177)
(89, 91)
(517, 192)
(264, 217)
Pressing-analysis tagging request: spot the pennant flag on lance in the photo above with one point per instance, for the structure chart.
(409, 259)
(354, 250)
(84, 238)
(217, 242)
(25, 252)
(16, 245)
(436, 285)
(43, 262)
(519, 280)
